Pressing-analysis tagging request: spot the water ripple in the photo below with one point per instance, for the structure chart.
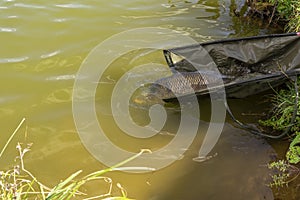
(51, 54)
(13, 60)
(61, 77)
(12, 17)
(60, 20)
(158, 14)
(72, 5)
(7, 29)
(29, 6)
(60, 96)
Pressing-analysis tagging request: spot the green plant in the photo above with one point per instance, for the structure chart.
(281, 118)
(19, 183)
(285, 13)
(283, 108)
(284, 173)
(293, 153)
(288, 10)
(284, 7)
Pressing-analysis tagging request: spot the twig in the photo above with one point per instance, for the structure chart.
(11, 137)
(27, 172)
(272, 16)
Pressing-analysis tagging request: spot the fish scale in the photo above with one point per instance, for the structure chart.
(184, 83)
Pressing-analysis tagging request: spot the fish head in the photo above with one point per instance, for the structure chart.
(161, 92)
(147, 96)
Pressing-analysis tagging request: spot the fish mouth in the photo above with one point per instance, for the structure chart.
(145, 97)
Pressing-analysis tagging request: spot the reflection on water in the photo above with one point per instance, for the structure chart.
(43, 45)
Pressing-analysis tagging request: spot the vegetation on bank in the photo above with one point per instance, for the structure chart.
(19, 183)
(288, 10)
(286, 115)
(284, 13)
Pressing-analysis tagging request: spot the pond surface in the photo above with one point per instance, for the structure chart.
(43, 45)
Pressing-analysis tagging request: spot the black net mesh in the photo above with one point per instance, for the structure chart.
(254, 64)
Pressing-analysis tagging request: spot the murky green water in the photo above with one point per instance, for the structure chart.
(42, 47)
